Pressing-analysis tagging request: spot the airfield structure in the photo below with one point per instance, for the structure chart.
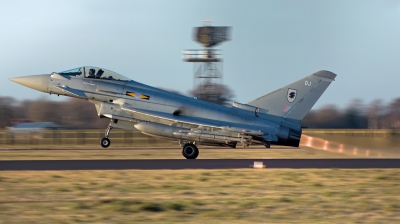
(207, 62)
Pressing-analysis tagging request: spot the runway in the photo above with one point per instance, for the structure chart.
(179, 164)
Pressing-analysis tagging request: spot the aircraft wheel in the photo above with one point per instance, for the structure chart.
(190, 151)
(105, 142)
(268, 145)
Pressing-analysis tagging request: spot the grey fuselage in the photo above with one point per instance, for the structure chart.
(112, 100)
(274, 118)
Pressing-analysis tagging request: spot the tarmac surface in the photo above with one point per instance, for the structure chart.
(178, 164)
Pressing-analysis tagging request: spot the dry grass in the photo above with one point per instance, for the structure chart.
(170, 153)
(201, 196)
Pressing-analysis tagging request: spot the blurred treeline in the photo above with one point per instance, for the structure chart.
(80, 114)
(374, 115)
(72, 113)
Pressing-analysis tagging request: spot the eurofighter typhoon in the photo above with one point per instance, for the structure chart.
(274, 118)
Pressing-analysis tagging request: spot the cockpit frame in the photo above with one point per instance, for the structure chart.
(91, 72)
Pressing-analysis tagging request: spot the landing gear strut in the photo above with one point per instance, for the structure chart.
(105, 142)
(190, 151)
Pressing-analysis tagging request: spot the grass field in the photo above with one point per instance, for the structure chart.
(201, 196)
(171, 153)
(134, 145)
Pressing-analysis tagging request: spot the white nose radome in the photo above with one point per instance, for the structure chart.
(37, 82)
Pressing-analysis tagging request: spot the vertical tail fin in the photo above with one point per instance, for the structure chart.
(295, 100)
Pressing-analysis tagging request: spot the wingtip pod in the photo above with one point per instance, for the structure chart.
(326, 74)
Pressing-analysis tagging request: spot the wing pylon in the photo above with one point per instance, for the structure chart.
(194, 121)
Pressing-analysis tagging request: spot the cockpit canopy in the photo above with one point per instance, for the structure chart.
(94, 73)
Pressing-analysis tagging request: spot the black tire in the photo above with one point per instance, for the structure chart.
(190, 151)
(105, 142)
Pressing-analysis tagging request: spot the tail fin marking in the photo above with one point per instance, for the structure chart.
(294, 106)
(295, 100)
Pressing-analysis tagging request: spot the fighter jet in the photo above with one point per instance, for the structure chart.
(274, 118)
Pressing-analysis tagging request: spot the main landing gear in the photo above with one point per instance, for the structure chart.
(190, 151)
(105, 142)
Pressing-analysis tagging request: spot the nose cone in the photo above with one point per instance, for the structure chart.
(37, 82)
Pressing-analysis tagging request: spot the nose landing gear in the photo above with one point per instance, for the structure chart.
(105, 142)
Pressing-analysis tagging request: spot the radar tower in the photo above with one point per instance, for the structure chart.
(207, 62)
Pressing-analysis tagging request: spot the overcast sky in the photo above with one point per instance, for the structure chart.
(273, 43)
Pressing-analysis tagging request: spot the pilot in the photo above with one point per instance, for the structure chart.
(91, 73)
